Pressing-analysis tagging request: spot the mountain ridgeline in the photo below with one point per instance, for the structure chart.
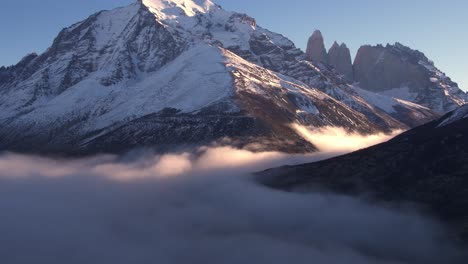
(160, 74)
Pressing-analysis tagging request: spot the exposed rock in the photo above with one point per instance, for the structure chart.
(316, 51)
(339, 57)
(401, 72)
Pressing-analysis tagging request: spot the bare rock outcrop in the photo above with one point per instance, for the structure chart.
(339, 57)
(316, 51)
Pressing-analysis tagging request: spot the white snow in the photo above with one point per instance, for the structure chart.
(386, 102)
(111, 24)
(257, 80)
(196, 79)
(178, 7)
(189, 19)
(403, 93)
(179, 15)
(199, 77)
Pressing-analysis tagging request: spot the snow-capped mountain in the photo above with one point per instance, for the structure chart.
(159, 73)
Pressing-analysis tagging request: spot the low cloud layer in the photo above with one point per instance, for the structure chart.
(336, 139)
(199, 207)
(145, 166)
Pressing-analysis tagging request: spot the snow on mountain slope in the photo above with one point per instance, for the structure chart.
(239, 33)
(277, 53)
(400, 109)
(171, 86)
(305, 105)
(174, 8)
(379, 108)
(258, 114)
(206, 94)
(111, 46)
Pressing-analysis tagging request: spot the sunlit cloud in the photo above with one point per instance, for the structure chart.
(331, 142)
(336, 139)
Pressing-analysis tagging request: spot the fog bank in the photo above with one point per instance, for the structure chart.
(201, 207)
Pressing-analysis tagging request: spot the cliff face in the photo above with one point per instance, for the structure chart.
(339, 57)
(316, 51)
(407, 74)
(377, 68)
(395, 70)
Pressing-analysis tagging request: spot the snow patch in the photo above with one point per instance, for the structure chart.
(385, 102)
(171, 8)
(403, 93)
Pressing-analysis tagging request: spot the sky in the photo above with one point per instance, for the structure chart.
(439, 29)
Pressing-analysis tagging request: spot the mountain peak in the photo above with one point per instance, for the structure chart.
(316, 48)
(317, 34)
(339, 57)
(335, 45)
(179, 7)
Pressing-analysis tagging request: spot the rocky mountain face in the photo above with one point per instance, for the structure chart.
(316, 51)
(336, 81)
(401, 72)
(339, 57)
(276, 53)
(404, 169)
(395, 71)
(180, 72)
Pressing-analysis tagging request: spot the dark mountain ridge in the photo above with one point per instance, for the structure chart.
(427, 165)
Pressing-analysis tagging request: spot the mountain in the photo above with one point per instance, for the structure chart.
(316, 51)
(426, 165)
(162, 73)
(339, 57)
(400, 72)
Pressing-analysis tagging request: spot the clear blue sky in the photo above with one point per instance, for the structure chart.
(438, 28)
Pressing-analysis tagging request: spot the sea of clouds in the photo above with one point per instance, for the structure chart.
(201, 207)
